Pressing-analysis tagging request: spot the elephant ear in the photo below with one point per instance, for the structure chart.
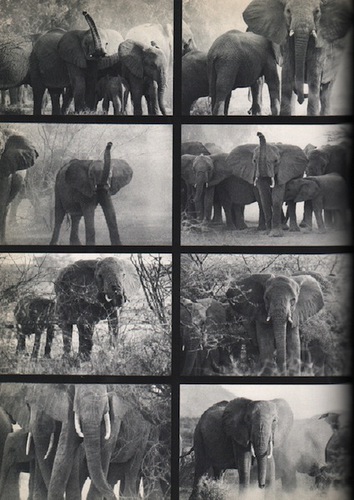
(246, 296)
(83, 176)
(285, 421)
(241, 164)
(12, 400)
(234, 422)
(266, 18)
(131, 55)
(117, 407)
(70, 48)
(122, 174)
(336, 19)
(187, 171)
(55, 400)
(222, 169)
(292, 164)
(310, 299)
(18, 154)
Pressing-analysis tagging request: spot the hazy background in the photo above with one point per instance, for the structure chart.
(143, 207)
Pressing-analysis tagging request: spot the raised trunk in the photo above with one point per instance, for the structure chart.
(106, 164)
(261, 167)
(161, 91)
(98, 49)
(279, 329)
(301, 43)
(93, 445)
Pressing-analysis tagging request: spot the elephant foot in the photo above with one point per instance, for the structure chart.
(276, 233)
(261, 227)
(241, 227)
(322, 230)
(305, 225)
(294, 229)
(230, 227)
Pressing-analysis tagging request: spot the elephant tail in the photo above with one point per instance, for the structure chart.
(187, 453)
(212, 81)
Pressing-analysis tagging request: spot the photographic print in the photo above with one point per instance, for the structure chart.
(91, 57)
(94, 314)
(246, 185)
(112, 440)
(262, 57)
(283, 441)
(52, 172)
(255, 315)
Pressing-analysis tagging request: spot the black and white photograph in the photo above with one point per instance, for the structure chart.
(265, 441)
(267, 57)
(55, 175)
(91, 314)
(86, 57)
(85, 441)
(266, 185)
(274, 314)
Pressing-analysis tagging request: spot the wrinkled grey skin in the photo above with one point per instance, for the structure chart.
(275, 307)
(14, 60)
(17, 153)
(310, 33)
(228, 434)
(238, 59)
(80, 186)
(113, 89)
(86, 292)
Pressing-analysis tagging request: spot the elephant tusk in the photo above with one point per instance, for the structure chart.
(268, 319)
(107, 422)
(207, 184)
(290, 319)
(50, 446)
(291, 33)
(271, 449)
(252, 450)
(108, 299)
(314, 33)
(255, 181)
(28, 443)
(272, 182)
(77, 425)
(195, 186)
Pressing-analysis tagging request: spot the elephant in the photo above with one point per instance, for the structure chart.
(230, 434)
(194, 78)
(5, 429)
(238, 59)
(17, 153)
(269, 167)
(33, 315)
(73, 414)
(162, 35)
(302, 452)
(80, 186)
(16, 459)
(15, 53)
(310, 33)
(72, 59)
(144, 67)
(200, 321)
(188, 42)
(275, 307)
(113, 89)
(325, 192)
(86, 292)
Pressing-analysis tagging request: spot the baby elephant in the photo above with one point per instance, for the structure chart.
(112, 89)
(326, 192)
(34, 315)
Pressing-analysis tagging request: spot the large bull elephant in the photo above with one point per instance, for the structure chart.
(80, 186)
(17, 153)
(311, 34)
(275, 307)
(269, 167)
(72, 60)
(229, 435)
(89, 291)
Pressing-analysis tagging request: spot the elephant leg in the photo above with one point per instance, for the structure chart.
(277, 203)
(265, 196)
(227, 104)
(59, 214)
(244, 459)
(307, 218)
(256, 92)
(328, 216)
(266, 346)
(317, 206)
(55, 98)
(208, 203)
(287, 82)
(190, 363)
(238, 212)
(38, 93)
(5, 189)
(39, 489)
(313, 104)
(273, 82)
(325, 98)
(78, 85)
(113, 328)
(85, 340)
(88, 210)
(105, 105)
(21, 340)
(73, 490)
(292, 216)
(67, 330)
(105, 200)
(67, 94)
(227, 206)
(223, 87)
(49, 340)
(74, 232)
(37, 342)
(217, 212)
(136, 91)
(293, 351)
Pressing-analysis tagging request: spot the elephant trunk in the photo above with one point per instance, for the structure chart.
(106, 164)
(301, 43)
(98, 49)
(199, 194)
(262, 169)
(279, 328)
(161, 87)
(262, 449)
(93, 446)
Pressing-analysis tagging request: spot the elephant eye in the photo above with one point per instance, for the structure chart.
(292, 301)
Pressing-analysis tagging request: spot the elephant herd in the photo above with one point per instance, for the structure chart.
(80, 186)
(269, 174)
(263, 442)
(302, 39)
(73, 432)
(256, 331)
(86, 292)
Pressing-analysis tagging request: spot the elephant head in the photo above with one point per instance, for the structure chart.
(258, 426)
(17, 153)
(329, 159)
(146, 61)
(302, 189)
(203, 172)
(109, 278)
(281, 302)
(188, 42)
(301, 24)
